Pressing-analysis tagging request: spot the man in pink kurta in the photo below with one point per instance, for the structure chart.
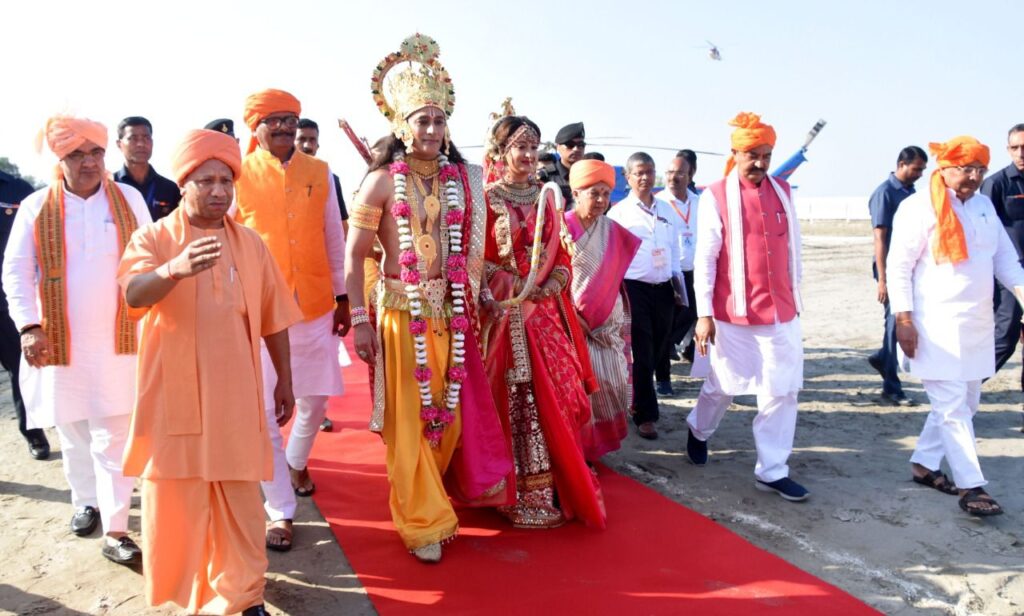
(747, 287)
(207, 290)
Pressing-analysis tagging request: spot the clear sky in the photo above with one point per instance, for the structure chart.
(883, 74)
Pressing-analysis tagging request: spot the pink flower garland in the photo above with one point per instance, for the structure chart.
(435, 418)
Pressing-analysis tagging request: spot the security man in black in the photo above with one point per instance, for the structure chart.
(135, 140)
(12, 191)
(1006, 190)
(571, 145)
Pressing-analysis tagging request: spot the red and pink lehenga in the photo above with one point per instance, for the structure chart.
(537, 364)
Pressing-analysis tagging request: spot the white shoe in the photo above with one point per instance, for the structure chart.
(430, 553)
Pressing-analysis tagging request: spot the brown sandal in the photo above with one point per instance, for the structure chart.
(937, 480)
(281, 532)
(977, 495)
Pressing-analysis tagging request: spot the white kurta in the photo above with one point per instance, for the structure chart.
(98, 382)
(766, 360)
(951, 305)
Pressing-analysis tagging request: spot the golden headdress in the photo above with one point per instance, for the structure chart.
(414, 88)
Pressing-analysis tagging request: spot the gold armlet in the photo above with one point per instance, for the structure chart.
(365, 216)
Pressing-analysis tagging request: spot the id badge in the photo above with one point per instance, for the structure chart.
(660, 258)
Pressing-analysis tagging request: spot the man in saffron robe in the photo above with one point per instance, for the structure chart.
(947, 244)
(601, 252)
(747, 283)
(439, 440)
(289, 199)
(78, 345)
(207, 290)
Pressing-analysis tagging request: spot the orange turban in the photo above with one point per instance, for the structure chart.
(65, 134)
(201, 145)
(950, 245)
(587, 172)
(750, 133)
(264, 103)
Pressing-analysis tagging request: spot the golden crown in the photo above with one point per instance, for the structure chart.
(415, 87)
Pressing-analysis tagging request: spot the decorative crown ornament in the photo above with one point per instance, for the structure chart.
(415, 87)
(492, 149)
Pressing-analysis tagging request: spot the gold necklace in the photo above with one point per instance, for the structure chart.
(423, 168)
(425, 244)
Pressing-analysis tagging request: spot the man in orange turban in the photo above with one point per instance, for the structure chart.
(751, 136)
(746, 280)
(207, 291)
(60, 276)
(940, 289)
(290, 199)
(264, 105)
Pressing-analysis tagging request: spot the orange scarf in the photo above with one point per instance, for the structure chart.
(949, 245)
(51, 253)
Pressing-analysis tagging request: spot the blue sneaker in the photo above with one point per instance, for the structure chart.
(785, 487)
(664, 389)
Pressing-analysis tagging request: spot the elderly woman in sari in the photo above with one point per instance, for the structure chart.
(601, 251)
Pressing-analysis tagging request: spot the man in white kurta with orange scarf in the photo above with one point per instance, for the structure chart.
(60, 275)
(747, 285)
(947, 244)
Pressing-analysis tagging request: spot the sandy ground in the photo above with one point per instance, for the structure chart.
(868, 529)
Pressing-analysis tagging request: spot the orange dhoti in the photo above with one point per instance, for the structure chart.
(203, 544)
(419, 504)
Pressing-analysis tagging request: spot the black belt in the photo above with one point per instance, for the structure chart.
(653, 285)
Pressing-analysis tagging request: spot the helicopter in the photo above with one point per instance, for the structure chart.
(713, 52)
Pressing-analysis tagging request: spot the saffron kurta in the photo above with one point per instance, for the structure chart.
(199, 435)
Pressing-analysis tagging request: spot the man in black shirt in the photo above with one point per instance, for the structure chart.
(135, 139)
(571, 145)
(1006, 190)
(12, 191)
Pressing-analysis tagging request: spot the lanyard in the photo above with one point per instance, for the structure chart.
(686, 216)
(653, 214)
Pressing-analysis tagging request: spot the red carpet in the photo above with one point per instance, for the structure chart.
(691, 564)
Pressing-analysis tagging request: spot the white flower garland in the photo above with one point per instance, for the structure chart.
(455, 271)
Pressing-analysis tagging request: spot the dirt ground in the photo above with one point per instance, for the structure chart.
(867, 528)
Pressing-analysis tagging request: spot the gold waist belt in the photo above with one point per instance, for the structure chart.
(434, 303)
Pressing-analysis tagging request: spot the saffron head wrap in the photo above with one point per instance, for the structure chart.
(750, 133)
(263, 103)
(65, 133)
(199, 146)
(950, 246)
(587, 172)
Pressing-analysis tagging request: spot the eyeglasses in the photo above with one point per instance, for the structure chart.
(276, 122)
(572, 145)
(969, 170)
(78, 156)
